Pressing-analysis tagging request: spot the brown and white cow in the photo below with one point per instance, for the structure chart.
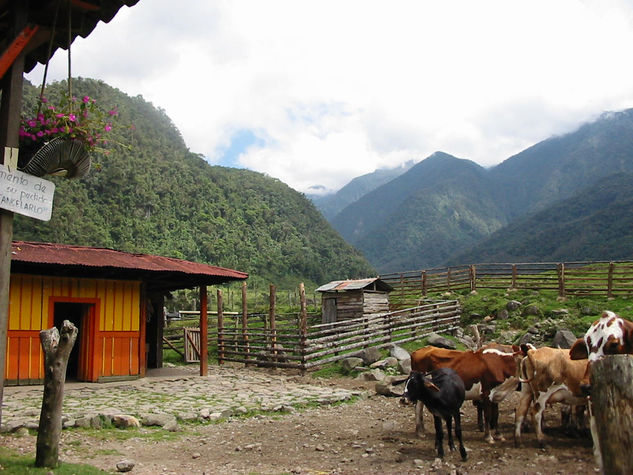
(609, 335)
(548, 376)
(481, 371)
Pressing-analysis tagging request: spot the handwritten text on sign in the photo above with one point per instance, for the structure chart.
(26, 194)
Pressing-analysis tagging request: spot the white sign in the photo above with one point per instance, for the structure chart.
(26, 194)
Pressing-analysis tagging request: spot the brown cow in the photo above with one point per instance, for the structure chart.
(489, 367)
(548, 375)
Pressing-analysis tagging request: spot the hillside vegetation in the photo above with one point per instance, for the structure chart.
(153, 195)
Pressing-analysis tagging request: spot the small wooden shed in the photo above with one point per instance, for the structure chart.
(348, 299)
(114, 298)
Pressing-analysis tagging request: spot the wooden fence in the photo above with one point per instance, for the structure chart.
(614, 278)
(308, 346)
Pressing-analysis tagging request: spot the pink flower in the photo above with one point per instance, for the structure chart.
(40, 134)
(113, 111)
(86, 99)
(108, 127)
(72, 117)
(32, 123)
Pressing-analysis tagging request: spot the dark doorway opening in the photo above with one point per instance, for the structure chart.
(77, 314)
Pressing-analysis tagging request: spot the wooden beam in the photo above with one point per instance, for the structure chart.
(204, 337)
(10, 109)
(17, 47)
(80, 4)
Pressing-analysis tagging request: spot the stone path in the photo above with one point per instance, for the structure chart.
(168, 400)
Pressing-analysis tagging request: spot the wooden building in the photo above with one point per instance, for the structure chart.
(348, 299)
(115, 299)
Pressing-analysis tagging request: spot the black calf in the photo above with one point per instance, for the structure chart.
(442, 392)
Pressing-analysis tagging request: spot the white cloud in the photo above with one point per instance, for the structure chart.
(337, 89)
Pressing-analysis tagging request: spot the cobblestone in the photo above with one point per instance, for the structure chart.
(183, 394)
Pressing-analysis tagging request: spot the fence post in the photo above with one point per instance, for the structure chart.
(448, 278)
(424, 283)
(303, 327)
(204, 332)
(610, 280)
(513, 285)
(561, 279)
(245, 321)
(220, 328)
(271, 318)
(473, 278)
(612, 402)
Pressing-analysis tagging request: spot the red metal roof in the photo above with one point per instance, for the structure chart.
(162, 273)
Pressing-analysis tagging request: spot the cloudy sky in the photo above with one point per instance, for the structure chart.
(317, 92)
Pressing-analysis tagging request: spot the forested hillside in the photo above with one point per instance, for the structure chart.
(152, 195)
(595, 224)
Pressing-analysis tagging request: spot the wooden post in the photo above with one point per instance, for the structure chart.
(448, 278)
(245, 320)
(424, 283)
(10, 110)
(271, 318)
(513, 285)
(561, 279)
(57, 347)
(610, 281)
(612, 400)
(303, 326)
(204, 332)
(220, 328)
(473, 278)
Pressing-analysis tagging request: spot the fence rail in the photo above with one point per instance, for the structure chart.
(610, 278)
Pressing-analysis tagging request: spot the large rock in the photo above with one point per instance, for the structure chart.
(371, 355)
(399, 353)
(123, 421)
(155, 419)
(391, 386)
(564, 339)
(404, 366)
(348, 364)
(441, 342)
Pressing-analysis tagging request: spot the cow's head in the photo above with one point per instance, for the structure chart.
(610, 335)
(416, 384)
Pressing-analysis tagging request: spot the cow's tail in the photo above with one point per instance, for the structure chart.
(523, 376)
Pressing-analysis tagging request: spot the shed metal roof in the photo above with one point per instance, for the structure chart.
(158, 272)
(85, 15)
(357, 284)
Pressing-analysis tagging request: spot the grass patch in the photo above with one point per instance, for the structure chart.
(13, 464)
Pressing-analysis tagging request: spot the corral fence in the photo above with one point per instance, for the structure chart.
(308, 346)
(610, 278)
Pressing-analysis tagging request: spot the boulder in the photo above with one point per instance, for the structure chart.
(391, 386)
(399, 353)
(513, 305)
(441, 342)
(531, 310)
(125, 466)
(371, 355)
(404, 366)
(348, 364)
(563, 339)
(389, 362)
(123, 421)
(156, 419)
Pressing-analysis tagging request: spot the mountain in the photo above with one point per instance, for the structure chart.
(152, 195)
(419, 218)
(330, 205)
(443, 205)
(594, 224)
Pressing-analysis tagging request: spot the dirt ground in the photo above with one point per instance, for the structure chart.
(371, 436)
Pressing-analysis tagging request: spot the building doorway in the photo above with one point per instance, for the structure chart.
(82, 316)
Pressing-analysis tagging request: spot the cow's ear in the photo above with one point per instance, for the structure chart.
(578, 350)
(430, 385)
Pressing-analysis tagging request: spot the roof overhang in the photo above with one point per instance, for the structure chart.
(159, 273)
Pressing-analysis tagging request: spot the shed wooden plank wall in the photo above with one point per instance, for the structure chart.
(117, 334)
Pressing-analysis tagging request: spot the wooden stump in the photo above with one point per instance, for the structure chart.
(612, 399)
(57, 346)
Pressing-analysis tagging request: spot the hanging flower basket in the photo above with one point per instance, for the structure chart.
(59, 156)
(59, 141)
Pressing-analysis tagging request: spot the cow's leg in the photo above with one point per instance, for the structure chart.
(487, 408)
(494, 421)
(480, 415)
(458, 434)
(438, 436)
(537, 417)
(449, 431)
(521, 411)
(419, 419)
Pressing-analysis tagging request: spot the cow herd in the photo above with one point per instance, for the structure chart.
(442, 379)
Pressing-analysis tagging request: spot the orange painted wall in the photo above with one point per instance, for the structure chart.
(117, 330)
